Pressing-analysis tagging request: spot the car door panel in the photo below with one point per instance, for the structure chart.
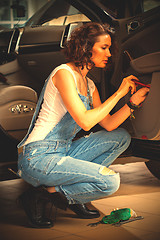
(135, 44)
(143, 40)
(147, 119)
(148, 63)
(33, 36)
(39, 51)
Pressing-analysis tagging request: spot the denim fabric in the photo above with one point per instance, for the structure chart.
(75, 168)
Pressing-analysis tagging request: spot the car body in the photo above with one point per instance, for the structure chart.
(31, 52)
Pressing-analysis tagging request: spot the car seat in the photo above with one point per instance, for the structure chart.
(17, 104)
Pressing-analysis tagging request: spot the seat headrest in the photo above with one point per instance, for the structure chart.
(18, 92)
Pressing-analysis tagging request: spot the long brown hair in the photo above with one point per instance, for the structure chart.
(78, 47)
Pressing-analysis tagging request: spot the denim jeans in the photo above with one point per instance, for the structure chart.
(76, 168)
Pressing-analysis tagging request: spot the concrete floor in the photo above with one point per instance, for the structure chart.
(139, 190)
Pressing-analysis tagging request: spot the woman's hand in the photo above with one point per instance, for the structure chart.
(138, 97)
(127, 85)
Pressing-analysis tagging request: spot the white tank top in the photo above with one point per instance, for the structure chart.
(53, 108)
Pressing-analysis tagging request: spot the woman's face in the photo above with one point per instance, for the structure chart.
(100, 51)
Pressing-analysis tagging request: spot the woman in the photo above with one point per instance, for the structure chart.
(72, 173)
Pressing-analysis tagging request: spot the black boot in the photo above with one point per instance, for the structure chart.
(83, 212)
(60, 201)
(34, 203)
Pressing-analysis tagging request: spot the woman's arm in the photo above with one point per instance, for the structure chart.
(86, 119)
(111, 122)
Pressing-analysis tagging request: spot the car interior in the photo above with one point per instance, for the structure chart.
(33, 51)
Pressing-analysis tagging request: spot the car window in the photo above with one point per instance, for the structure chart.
(127, 8)
(69, 15)
(121, 8)
(150, 4)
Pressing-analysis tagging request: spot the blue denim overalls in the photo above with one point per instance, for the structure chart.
(75, 168)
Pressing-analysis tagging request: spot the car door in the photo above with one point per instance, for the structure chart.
(40, 44)
(139, 54)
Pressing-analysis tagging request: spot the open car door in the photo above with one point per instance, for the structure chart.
(139, 54)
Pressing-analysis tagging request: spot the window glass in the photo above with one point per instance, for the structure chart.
(121, 8)
(149, 4)
(5, 26)
(4, 10)
(68, 15)
(128, 8)
(18, 13)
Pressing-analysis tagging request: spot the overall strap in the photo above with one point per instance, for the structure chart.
(35, 113)
(63, 66)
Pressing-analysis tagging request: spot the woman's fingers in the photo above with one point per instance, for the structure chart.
(140, 96)
(128, 85)
(132, 85)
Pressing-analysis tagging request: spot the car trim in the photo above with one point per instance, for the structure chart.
(38, 48)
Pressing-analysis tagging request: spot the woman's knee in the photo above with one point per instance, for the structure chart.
(119, 133)
(121, 137)
(110, 183)
(116, 184)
